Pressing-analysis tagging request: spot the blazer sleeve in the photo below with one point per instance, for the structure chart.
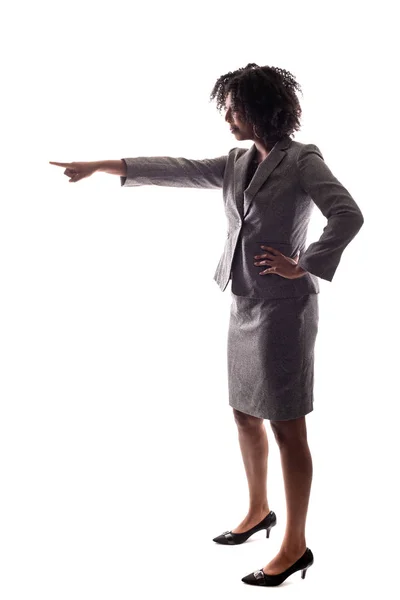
(174, 172)
(344, 216)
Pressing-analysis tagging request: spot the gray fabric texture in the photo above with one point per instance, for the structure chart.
(271, 356)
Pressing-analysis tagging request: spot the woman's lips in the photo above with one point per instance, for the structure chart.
(233, 128)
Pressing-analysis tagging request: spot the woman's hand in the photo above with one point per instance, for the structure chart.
(279, 264)
(78, 170)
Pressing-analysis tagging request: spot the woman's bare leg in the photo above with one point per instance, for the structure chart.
(296, 460)
(254, 447)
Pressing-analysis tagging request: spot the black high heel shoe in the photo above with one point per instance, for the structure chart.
(261, 578)
(228, 537)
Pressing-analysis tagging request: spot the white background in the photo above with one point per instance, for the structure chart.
(119, 456)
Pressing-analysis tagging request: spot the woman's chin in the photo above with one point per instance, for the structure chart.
(240, 135)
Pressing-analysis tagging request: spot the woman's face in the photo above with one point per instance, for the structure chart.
(241, 129)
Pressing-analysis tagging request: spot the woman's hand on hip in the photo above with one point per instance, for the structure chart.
(279, 264)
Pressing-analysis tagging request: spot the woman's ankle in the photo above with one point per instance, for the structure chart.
(259, 510)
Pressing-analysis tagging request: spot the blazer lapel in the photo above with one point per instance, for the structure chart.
(244, 197)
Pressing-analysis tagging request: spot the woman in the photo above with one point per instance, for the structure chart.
(269, 191)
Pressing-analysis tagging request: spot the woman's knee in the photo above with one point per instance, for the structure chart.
(245, 421)
(290, 432)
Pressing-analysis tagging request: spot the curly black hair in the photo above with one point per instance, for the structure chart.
(265, 97)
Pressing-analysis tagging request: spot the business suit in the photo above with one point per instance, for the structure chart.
(274, 320)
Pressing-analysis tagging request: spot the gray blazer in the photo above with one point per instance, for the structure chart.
(274, 210)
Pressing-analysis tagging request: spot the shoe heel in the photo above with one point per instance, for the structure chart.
(268, 530)
(303, 573)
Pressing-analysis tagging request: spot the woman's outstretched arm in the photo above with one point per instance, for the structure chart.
(154, 170)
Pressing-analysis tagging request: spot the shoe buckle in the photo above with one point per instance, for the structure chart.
(259, 574)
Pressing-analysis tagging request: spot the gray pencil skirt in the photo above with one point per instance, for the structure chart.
(271, 356)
